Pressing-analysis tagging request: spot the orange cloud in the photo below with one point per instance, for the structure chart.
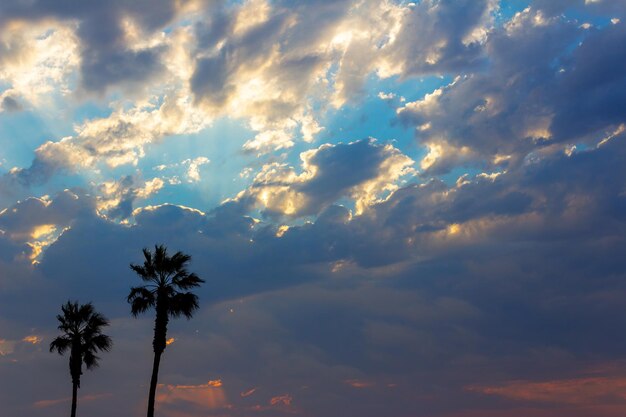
(285, 399)
(84, 398)
(359, 383)
(215, 383)
(578, 391)
(248, 393)
(49, 403)
(569, 411)
(209, 395)
(32, 339)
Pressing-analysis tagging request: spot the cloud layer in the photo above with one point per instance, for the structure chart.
(420, 207)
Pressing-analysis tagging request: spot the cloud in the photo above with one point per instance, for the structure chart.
(10, 348)
(600, 7)
(261, 62)
(284, 399)
(35, 223)
(204, 396)
(441, 37)
(274, 67)
(601, 85)
(116, 48)
(83, 398)
(193, 170)
(364, 288)
(364, 171)
(117, 197)
(107, 58)
(114, 141)
(526, 100)
(581, 391)
(10, 104)
(37, 60)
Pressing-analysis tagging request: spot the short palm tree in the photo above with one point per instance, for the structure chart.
(82, 336)
(166, 291)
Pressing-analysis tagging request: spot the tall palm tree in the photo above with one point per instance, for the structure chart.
(167, 281)
(82, 336)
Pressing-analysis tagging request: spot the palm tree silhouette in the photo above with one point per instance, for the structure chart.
(82, 335)
(167, 281)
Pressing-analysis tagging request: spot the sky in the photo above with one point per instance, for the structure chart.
(401, 209)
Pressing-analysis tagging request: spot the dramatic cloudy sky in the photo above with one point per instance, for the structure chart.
(402, 209)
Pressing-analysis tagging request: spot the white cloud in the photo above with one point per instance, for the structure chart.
(193, 167)
(363, 171)
(37, 59)
(116, 198)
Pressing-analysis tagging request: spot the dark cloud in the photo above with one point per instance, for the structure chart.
(442, 36)
(340, 167)
(38, 173)
(362, 170)
(10, 104)
(535, 94)
(210, 78)
(215, 78)
(61, 210)
(615, 8)
(591, 95)
(117, 198)
(100, 71)
(106, 60)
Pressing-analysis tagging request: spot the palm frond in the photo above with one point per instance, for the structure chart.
(170, 276)
(141, 299)
(100, 342)
(183, 304)
(61, 344)
(186, 281)
(91, 360)
(82, 335)
(178, 261)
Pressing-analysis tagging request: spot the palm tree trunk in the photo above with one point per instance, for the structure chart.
(153, 383)
(76, 365)
(158, 344)
(74, 395)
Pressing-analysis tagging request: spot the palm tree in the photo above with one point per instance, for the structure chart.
(167, 281)
(82, 336)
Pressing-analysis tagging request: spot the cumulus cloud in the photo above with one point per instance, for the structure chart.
(534, 95)
(117, 140)
(441, 37)
(107, 59)
(269, 68)
(364, 171)
(265, 63)
(115, 47)
(36, 60)
(116, 198)
(35, 223)
(193, 167)
(191, 170)
(601, 7)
